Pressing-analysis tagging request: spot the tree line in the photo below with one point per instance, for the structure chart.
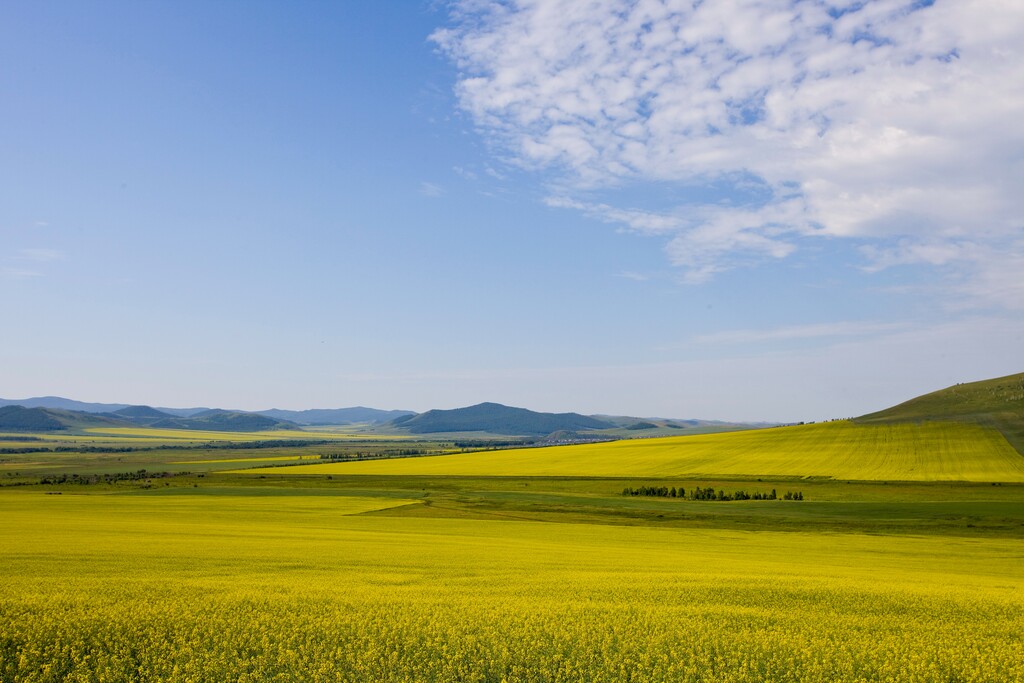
(138, 475)
(708, 493)
(377, 455)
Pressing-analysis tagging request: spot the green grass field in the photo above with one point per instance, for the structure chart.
(837, 450)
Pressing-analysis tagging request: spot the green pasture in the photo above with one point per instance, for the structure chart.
(952, 508)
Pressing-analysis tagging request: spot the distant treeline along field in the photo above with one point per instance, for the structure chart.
(708, 493)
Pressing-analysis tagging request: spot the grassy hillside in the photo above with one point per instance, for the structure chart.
(143, 412)
(932, 451)
(997, 403)
(20, 419)
(223, 420)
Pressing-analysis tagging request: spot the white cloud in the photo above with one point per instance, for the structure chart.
(642, 221)
(430, 189)
(634, 276)
(40, 255)
(22, 261)
(842, 329)
(18, 273)
(888, 121)
(995, 276)
(989, 272)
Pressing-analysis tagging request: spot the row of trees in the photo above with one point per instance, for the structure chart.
(381, 454)
(138, 475)
(708, 493)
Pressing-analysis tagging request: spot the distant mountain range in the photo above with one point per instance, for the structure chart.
(48, 413)
(997, 403)
(153, 417)
(495, 418)
(215, 420)
(336, 416)
(81, 406)
(22, 419)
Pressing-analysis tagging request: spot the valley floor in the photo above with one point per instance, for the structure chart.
(192, 570)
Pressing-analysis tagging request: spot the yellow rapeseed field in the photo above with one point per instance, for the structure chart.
(244, 587)
(943, 451)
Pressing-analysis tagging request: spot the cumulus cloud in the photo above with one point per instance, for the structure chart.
(899, 123)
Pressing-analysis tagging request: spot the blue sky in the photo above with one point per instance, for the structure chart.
(758, 210)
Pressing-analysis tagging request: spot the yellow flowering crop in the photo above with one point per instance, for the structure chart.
(945, 451)
(305, 588)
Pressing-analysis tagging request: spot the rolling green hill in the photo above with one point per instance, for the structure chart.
(141, 412)
(223, 420)
(20, 419)
(997, 403)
